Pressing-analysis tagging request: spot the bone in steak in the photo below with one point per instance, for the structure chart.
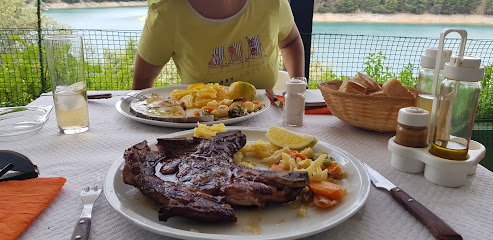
(197, 178)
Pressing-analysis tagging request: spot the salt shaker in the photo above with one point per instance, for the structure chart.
(294, 101)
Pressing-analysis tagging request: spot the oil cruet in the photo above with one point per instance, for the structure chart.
(450, 155)
(455, 101)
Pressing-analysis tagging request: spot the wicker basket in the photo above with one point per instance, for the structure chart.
(378, 113)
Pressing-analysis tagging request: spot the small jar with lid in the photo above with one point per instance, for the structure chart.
(294, 101)
(412, 127)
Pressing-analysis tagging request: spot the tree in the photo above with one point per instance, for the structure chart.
(345, 6)
(415, 6)
(18, 14)
(390, 6)
(488, 7)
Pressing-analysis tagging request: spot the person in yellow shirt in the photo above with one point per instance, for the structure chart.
(219, 41)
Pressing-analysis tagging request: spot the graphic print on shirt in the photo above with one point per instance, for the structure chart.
(236, 61)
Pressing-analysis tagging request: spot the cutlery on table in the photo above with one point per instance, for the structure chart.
(83, 226)
(99, 96)
(435, 224)
(272, 96)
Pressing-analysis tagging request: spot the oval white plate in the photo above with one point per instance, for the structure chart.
(123, 107)
(275, 221)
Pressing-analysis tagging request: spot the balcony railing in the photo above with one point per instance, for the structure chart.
(110, 56)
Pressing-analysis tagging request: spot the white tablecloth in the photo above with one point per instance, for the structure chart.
(84, 159)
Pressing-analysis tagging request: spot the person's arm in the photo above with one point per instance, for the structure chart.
(293, 53)
(144, 74)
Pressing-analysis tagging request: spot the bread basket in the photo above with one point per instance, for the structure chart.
(378, 113)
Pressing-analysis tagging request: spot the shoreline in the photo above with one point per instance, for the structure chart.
(400, 18)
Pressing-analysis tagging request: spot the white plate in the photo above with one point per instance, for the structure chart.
(123, 107)
(16, 122)
(276, 221)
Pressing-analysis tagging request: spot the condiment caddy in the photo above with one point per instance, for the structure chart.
(441, 171)
(447, 155)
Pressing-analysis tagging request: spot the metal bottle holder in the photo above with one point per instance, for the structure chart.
(441, 171)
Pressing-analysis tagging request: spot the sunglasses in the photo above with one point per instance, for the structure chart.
(15, 166)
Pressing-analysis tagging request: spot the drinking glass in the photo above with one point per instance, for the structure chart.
(66, 70)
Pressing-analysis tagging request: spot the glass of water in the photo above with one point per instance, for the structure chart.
(65, 56)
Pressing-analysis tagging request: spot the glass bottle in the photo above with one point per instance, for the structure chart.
(456, 107)
(294, 101)
(426, 74)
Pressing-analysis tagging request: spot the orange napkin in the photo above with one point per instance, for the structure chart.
(318, 110)
(22, 201)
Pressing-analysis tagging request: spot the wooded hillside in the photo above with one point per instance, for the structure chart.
(407, 6)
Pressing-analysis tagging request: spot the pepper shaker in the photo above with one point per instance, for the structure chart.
(294, 101)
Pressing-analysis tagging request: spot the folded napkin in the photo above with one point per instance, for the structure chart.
(309, 110)
(22, 201)
(320, 110)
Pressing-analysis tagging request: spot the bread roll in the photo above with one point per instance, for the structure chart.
(365, 80)
(394, 88)
(351, 86)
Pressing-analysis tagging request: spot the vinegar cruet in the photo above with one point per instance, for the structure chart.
(454, 104)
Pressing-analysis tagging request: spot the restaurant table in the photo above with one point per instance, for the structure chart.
(84, 159)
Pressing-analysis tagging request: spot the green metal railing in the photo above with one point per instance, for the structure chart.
(110, 56)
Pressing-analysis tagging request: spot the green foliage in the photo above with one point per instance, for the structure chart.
(18, 14)
(485, 106)
(375, 69)
(20, 67)
(406, 75)
(388, 6)
(15, 13)
(323, 9)
(414, 6)
(488, 7)
(71, 1)
(345, 6)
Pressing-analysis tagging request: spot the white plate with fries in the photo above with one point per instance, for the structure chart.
(276, 221)
(123, 107)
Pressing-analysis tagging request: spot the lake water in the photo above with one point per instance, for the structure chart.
(130, 18)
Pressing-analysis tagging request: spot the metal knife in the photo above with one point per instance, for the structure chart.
(436, 225)
(272, 96)
(99, 96)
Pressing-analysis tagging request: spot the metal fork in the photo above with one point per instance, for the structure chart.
(137, 95)
(83, 226)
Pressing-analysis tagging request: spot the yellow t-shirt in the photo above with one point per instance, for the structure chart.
(242, 47)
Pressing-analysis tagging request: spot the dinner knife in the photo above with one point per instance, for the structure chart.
(99, 96)
(435, 224)
(272, 96)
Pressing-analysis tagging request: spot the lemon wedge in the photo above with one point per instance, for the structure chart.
(282, 137)
(208, 131)
(242, 90)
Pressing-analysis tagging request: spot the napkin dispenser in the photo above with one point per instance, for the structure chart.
(445, 167)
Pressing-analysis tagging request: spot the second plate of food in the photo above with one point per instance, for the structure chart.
(123, 107)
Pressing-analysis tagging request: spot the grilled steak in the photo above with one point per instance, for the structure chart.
(197, 178)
